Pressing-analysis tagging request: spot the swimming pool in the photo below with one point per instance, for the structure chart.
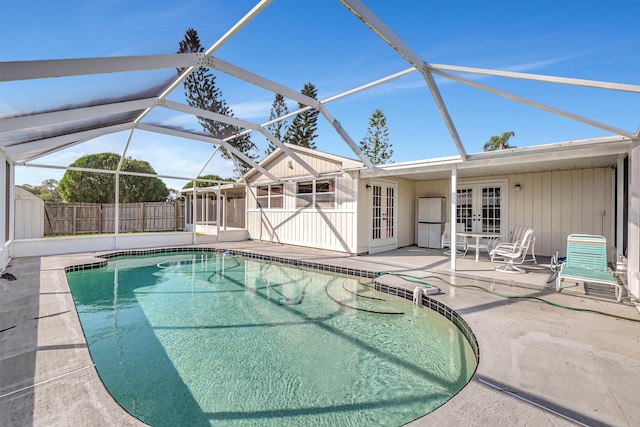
(213, 339)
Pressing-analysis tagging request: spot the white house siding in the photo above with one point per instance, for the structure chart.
(556, 203)
(560, 203)
(406, 215)
(282, 166)
(406, 212)
(332, 229)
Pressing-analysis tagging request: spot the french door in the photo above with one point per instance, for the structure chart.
(383, 221)
(481, 208)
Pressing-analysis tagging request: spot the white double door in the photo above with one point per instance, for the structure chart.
(481, 208)
(383, 220)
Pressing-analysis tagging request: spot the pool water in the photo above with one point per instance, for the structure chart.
(203, 339)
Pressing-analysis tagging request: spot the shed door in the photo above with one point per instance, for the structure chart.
(383, 226)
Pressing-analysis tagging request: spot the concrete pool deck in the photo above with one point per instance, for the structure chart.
(539, 364)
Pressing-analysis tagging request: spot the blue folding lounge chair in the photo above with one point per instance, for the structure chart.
(587, 262)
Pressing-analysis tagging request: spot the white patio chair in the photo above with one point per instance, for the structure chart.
(461, 242)
(515, 236)
(513, 253)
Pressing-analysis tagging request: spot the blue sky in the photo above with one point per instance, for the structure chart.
(294, 42)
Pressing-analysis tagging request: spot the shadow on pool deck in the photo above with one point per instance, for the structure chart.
(573, 365)
(19, 324)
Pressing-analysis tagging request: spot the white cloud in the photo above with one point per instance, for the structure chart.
(536, 65)
(252, 110)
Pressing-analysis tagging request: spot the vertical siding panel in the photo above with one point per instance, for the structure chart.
(589, 210)
(567, 225)
(601, 195)
(556, 211)
(328, 227)
(607, 204)
(536, 208)
(575, 195)
(331, 231)
(320, 226)
(316, 224)
(346, 233)
(405, 213)
(325, 229)
(526, 182)
(340, 237)
(511, 207)
(520, 200)
(544, 236)
(302, 231)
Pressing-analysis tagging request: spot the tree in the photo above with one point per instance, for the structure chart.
(499, 142)
(278, 129)
(93, 187)
(174, 196)
(375, 145)
(201, 92)
(205, 183)
(47, 191)
(302, 130)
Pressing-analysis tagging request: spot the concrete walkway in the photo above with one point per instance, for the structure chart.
(539, 364)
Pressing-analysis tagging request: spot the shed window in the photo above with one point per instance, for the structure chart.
(270, 196)
(318, 193)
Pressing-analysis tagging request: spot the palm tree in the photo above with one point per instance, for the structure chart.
(499, 142)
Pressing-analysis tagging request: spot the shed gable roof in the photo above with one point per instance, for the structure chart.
(280, 165)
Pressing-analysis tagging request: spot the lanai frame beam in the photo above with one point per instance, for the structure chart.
(392, 39)
(539, 105)
(239, 123)
(47, 68)
(242, 74)
(538, 77)
(209, 139)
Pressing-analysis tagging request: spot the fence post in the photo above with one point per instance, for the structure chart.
(142, 217)
(100, 218)
(73, 219)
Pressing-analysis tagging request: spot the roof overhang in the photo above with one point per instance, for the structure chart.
(599, 152)
(227, 187)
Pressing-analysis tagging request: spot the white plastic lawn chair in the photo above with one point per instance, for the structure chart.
(461, 242)
(514, 253)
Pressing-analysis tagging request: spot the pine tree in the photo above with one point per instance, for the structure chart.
(302, 130)
(375, 145)
(278, 129)
(201, 92)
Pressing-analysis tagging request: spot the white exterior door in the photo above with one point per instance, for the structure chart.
(481, 208)
(383, 226)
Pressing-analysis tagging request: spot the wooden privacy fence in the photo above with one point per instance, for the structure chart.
(91, 218)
